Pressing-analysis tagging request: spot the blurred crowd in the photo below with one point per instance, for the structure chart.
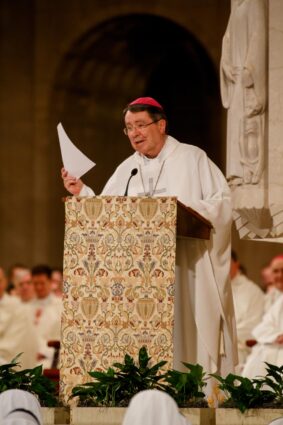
(259, 316)
(31, 306)
(30, 313)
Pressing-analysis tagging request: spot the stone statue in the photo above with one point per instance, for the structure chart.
(243, 79)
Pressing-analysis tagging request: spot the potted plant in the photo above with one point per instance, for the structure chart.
(34, 381)
(186, 387)
(187, 390)
(274, 380)
(115, 387)
(251, 401)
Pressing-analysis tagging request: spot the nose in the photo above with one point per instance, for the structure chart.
(136, 130)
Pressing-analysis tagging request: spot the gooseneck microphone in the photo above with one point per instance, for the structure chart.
(133, 173)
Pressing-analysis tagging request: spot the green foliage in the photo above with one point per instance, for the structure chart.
(274, 380)
(120, 383)
(31, 380)
(244, 393)
(186, 387)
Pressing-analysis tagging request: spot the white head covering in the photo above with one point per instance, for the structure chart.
(278, 421)
(18, 407)
(153, 407)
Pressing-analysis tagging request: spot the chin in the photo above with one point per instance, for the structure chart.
(141, 150)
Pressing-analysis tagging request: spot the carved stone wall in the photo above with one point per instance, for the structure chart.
(257, 207)
(255, 174)
(275, 123)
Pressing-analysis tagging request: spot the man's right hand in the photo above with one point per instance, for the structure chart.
(73, 185)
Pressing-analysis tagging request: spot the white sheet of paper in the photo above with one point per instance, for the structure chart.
(74, 161)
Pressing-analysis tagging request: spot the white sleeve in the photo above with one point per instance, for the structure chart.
(251, 314)
(271, 326)
(86, 191)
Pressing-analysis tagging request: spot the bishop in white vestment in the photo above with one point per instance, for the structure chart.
(204, 330)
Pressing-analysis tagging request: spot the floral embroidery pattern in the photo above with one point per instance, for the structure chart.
(119, 273)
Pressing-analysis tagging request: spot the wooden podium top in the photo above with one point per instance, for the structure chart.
(191, 224)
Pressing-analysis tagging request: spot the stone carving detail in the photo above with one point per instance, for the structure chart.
(243, 90)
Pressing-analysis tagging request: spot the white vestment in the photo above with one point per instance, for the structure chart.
(16, 333)
(249, 304)
(204, 314)
(46, 315)
(266, 350)
(271, 297)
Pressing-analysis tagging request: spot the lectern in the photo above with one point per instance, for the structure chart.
(119, 275)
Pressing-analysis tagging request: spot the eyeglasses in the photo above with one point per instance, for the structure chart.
(139, 127)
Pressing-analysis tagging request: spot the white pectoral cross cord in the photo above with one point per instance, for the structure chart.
(152, 189)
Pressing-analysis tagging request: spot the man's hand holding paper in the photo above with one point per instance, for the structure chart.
(71, 184)
(76, 164)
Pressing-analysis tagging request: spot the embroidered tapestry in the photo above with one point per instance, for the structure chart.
(119, 273)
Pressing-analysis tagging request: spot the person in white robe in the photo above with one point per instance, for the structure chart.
(269, 347)
(18, 407)
(57, 282)
(24, 288)
(266, 278)
(17, 334)
(153, 407)
(204, 325)
(276, 269)
(46, 314)
(249, 308)
(271, 297)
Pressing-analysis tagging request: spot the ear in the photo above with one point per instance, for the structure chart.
(162, 126)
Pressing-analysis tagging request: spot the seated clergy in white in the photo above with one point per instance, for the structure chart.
(276, 267)
(24, 288)
(17, 333)
(249, 304)
(18, 407)
(46, 314)
(161, 166)
(269, 347)
(153, 407)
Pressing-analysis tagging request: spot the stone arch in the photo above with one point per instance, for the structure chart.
(123, 58)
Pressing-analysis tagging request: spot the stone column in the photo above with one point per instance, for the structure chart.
(275, 122)
(258, 206)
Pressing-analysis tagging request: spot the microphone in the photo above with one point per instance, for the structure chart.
(133, 173)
